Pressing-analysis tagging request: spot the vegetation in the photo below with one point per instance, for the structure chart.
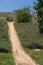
(5, 14)
(37, 55)
(4, 40)
(31, 39)
(39, 8)
(9, 18)
(6, 59)
(29, 35)
(23, 15)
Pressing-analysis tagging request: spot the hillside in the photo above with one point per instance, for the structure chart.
(4, 14)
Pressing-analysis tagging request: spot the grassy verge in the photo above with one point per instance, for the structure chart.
(30, 38)
(37, 55)
(6, 59)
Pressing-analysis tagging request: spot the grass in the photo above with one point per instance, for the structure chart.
(6, 59)
(30, 37)
(37, 55)
(4, 40)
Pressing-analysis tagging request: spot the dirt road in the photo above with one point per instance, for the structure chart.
(21, 58)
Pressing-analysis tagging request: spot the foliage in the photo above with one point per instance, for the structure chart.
(4, 40)
(23, 15)
(5, 46)
(29, 35)
(9, 18)
(39, 8)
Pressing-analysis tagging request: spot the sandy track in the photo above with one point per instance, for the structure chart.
(21, 58)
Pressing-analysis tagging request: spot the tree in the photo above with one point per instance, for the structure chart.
(23, 15)
(39, 9)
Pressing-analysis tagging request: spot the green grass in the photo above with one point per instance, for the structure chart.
(4, 39)
(37, 55)
(6, 59)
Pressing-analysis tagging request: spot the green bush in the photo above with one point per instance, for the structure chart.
(9, 18)
(23, 15)
(4, 40)
(35, 45)
(29, 35)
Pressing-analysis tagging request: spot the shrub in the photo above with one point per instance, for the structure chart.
(36, 45)
(23, 15)
(4, 40)
(28, 35)
(9, 18)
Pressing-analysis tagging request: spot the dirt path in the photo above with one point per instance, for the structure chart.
(21, 58)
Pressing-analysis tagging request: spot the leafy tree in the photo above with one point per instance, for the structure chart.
(23, 15)
(39, 8)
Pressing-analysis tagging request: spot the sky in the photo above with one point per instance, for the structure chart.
(9, 5)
